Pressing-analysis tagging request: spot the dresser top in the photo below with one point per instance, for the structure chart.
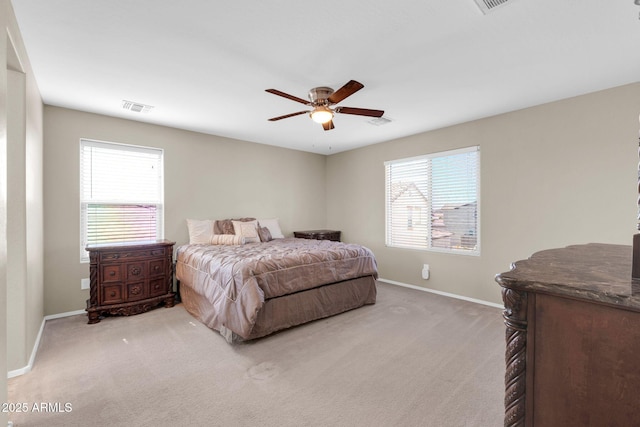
(594, 272)
(317, 231)
(129, 245)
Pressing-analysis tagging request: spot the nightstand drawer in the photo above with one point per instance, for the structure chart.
(318, 234)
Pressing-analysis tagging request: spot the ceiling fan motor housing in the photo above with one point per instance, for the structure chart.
(319, 95)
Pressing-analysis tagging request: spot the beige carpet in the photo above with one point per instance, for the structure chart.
(412, 359)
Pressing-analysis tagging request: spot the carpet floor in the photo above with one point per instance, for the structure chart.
(412, 359)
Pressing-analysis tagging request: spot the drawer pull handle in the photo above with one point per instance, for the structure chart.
(156, 268)
(135, 271)
(112, 273)
(113, 294)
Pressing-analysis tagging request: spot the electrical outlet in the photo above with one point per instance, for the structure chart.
(84, 283)
(425, 271)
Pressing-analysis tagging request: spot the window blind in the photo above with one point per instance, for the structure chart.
(432, 201)
(121, 193)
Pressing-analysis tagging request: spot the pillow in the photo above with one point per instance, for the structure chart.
(264, 234)
(200, 231)
(225, 226)
(273, 226)
(227, 239)
(247, 229)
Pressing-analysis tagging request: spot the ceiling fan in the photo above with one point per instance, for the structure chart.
(322, 98)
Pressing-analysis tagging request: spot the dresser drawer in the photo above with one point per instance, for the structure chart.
(136, 271)
(111, 273)
(112, 294)
(157, 267)
(158, 287)
(134, 254)
(136, 291)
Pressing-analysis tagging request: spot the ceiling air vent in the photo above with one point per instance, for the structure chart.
(379, 121)
(136, 107)
(487, 6)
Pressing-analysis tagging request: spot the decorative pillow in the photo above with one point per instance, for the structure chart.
(265, 234)
(273, 226)
(225, 226)
(247, 229)
(200, 231)
(227, 239)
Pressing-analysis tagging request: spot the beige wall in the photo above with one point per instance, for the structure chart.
(17, 221)
(4, 13)
(205, 177)
(21, 202)
(552, 175)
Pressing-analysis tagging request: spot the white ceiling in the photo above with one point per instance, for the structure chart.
(204, 65)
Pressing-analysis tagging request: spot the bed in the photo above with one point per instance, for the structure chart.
(250, 289)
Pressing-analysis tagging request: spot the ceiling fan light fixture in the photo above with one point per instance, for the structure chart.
(321, 114)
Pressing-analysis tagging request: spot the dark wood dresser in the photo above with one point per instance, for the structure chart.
(572, 320)
(130, 278)
(318, 234)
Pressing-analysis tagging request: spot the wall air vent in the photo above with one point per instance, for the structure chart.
(487, 6)
(136, 107)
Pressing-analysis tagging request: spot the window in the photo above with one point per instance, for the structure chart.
(121, 193)
(432, 202)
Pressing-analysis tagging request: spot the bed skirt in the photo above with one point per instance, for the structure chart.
(290, 310)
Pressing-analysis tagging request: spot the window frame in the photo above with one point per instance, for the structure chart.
(84, 205)
(427, 211)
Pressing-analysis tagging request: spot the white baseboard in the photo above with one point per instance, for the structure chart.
(67, 314)
(36, 345)
(446, 294)
(34, 351)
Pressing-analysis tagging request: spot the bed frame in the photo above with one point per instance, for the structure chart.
(290, 310)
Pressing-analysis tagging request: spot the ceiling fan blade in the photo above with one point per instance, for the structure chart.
(286, 95)
(360, 111)
(328, 125)
(287, 116)
(347, 90)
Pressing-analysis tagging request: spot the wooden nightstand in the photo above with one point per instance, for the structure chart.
(318, 234)
(129, 278)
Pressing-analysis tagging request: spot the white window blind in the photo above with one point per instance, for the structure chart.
(432, 201)
(121, 193)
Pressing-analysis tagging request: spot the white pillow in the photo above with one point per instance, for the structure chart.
(200, 231)
(273, 226)
(247, 229)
